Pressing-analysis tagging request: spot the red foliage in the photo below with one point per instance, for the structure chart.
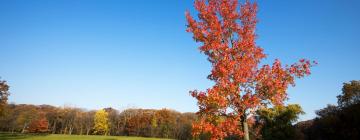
(241, 85)
(39, 125)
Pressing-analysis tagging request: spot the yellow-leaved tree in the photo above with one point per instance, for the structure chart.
(101, 122)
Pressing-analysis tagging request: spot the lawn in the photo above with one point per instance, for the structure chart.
(9, 136)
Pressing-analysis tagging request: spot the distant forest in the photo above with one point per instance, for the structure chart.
(163, 123)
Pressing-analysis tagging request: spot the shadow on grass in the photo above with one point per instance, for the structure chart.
(16, 136)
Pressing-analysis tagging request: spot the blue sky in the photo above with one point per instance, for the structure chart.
(93, 54)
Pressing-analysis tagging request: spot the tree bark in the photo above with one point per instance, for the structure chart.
(23, 130)
(246, 130)
(70, 130)
(81, 130)
(65, 130)
(245, 126)
(54, 128)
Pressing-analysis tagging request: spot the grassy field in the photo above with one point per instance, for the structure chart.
(9, 136)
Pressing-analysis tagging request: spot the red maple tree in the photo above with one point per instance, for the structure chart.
(39, 125)
(227, 35)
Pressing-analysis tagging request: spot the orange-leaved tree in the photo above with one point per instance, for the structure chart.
(226, 31)
(39, 125)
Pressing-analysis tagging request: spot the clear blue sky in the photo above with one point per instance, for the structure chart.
(94, 54)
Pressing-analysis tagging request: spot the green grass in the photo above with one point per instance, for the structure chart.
(9, 136)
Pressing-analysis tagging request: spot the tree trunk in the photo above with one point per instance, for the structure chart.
(81, 130)
(54, 128)
(65, 130)
(246, 130)
(23, 130)
(70, 130)
(62, 128)
(245, 126)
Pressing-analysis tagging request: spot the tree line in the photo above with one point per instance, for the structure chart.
(165, 123)
(334, 122)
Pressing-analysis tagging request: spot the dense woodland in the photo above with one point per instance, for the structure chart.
(163, 123)
(335, 122)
